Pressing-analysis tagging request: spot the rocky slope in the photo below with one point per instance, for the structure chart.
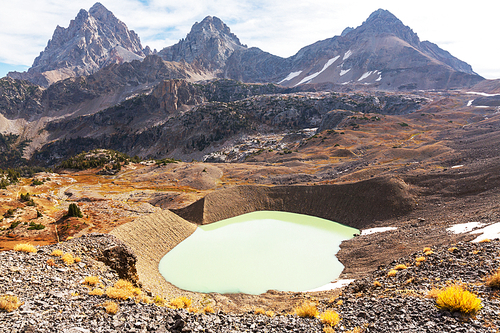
(93, 40)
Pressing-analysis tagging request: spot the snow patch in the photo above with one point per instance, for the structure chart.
(482, 94)
(312, 76)
(344, 72)
(347, 55)
(490, 232)
(376, 230)
(457, 166)
(470, 102)
(290, 76)
(464, 227)
(365, 75)
(379, 76)
(331, 286)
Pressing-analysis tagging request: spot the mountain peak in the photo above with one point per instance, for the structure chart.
(94, 39)
(383, 22)
(209, 43)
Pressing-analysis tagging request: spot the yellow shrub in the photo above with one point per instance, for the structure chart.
(208, 309)
(486, 240)
(123, 289)
(331, 318)
(377, 284)
(181, 302)
(51, 262)
(420, 259)
(426, 249)
(428, 253)
(9, 303)
(452, 249)
(25, 247)
(78, 259)
(160, 301)
(259, 311)
(456, 298)
(269, 313)
(111, 307)
(193, 310)
(400, 266)
(57, 253)
(91, 280)
(307, 309)
(493, 281)
(68, 259)
(392, 272)
(96, 292)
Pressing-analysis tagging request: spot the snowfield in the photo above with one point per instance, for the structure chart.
(290, 76)
(312, 76)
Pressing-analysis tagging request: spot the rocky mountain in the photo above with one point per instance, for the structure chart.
(209, 44)
(93, 40)
(382, 53)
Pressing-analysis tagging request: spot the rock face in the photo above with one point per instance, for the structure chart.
(93, 40)
(209, 44)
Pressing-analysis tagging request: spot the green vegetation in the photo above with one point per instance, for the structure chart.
(8, 213)
(74, 211)
(97, 158)
(166, 161)
(37, 182)
(14, 224)
(36, 226)
(403, 124)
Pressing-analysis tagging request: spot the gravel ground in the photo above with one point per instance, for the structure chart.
(55, 300)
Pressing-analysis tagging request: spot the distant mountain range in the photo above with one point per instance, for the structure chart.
(96, 86)
(382, 53)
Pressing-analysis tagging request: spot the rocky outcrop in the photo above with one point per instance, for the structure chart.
(20, 99)
(356, 205)
(93, 40)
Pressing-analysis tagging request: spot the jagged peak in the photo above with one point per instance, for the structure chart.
(101, 13)
(210, 26)
(382, 14)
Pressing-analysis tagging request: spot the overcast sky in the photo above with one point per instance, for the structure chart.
(468, 30)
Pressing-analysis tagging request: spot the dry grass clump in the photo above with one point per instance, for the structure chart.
(68, 259)
(9, 303)
(400, 266)
(259, 311)
(269, 313)
(96, 292)
(493, 281)
(25, 247)
(328, 329)
(330, 317)
(57, 253)
(428, 253)
(181, 302)
(453, 249)
(377, 284)
(78, 259)
(420, 259)
(486, 240)
(456, 298)
(356, 329)
(111, 307)
(123, 290)
(307, 310)
(160, 301)
(426, 249)
(392, 272)
(208, 309)
(51, 262)
(91, 280)
(144, 299)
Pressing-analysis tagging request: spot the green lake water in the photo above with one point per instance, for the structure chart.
(256, 252)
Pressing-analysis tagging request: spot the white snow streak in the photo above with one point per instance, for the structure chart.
(464, 227)
(347, 55)
(365, 75)
(470, 102)
(331, 286)
(376, 230)
(379, 76)
(344, 72)
(312, 76)
(482, 94)
(290, 76)
(490, 232)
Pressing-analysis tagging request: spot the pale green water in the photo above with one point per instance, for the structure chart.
(256, 252)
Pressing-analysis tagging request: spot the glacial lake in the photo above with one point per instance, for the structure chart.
(256, 252)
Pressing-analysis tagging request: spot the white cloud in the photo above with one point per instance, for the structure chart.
(467, 31)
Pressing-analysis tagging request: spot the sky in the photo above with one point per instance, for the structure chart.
(468, 30)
